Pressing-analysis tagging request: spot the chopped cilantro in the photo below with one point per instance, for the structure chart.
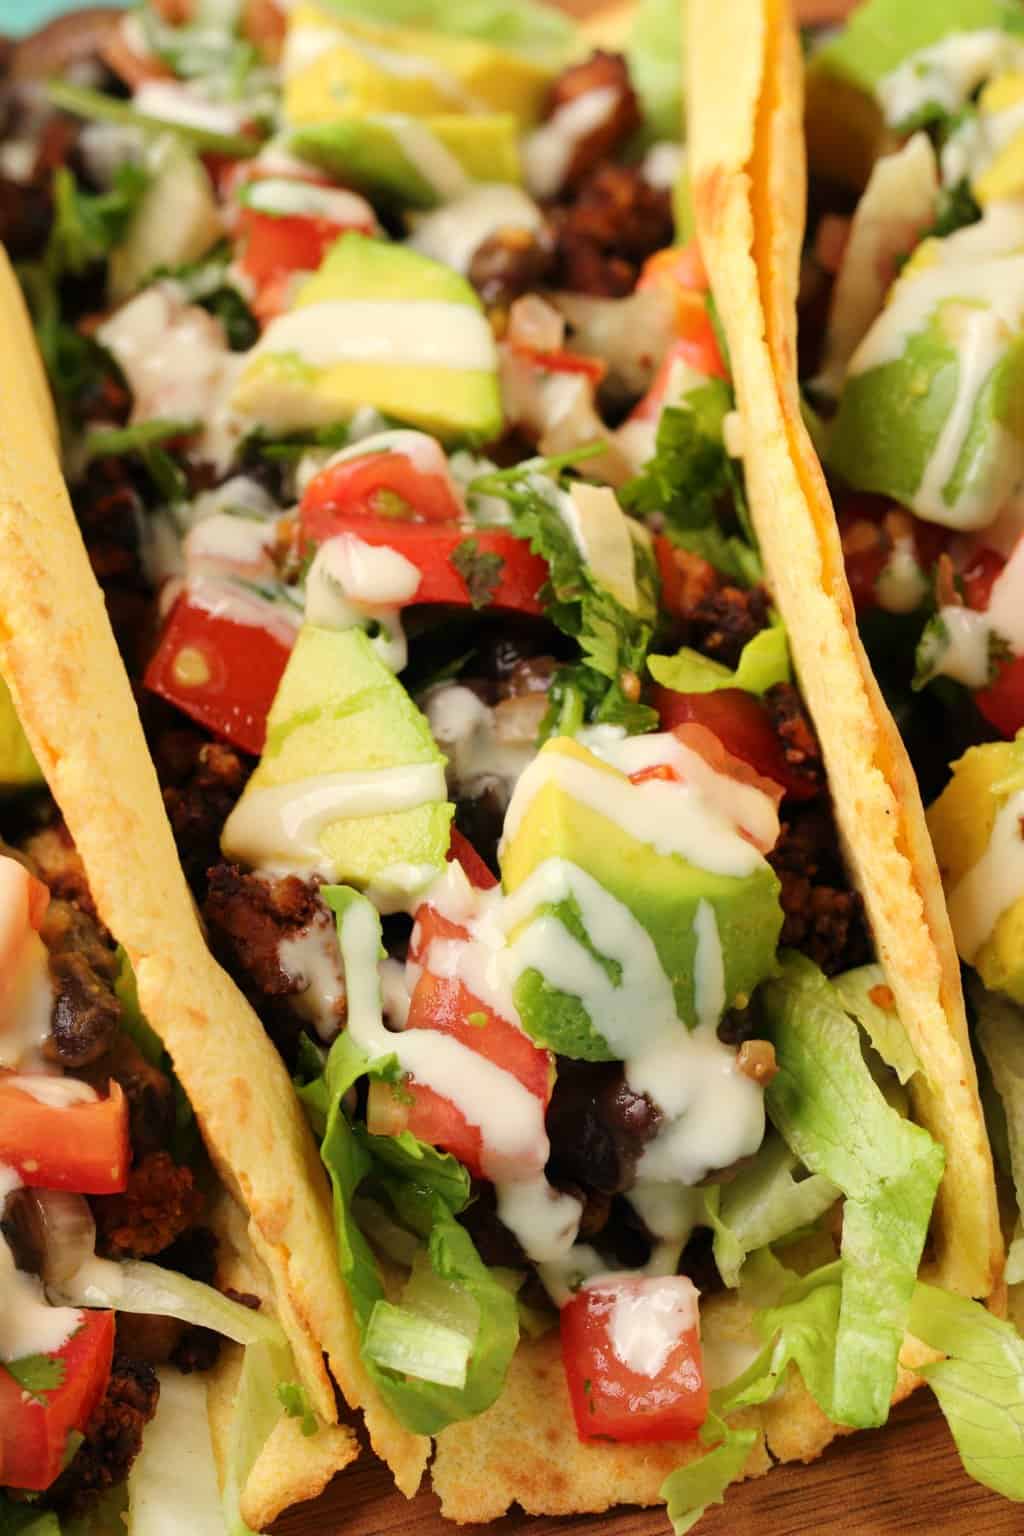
(87, 225)
(36, 1374)
(295, 1403)
(931, 648)
(480, 569)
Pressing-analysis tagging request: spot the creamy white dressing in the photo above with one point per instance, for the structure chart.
(455, 232)
(286, 196)
(902, 585)
(467, 731)
(312, 959)
(26, 1000)
(55, 1092)
(232, 540)
(947, 74)
(176, 360)
(977, 141)
(544, 1220)
(549, 150)
(969, 635)
(648, 1318)
(708, 967)
(425, 152)
(898, 202)
(352, 583)
(226, 597)
(995, 882)
(286, 821)
(664, 164)
(172, 102)
(28, 1324)
(414, 333)
(423, 452)
(696, 819)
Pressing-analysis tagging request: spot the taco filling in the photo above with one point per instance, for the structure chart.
(402, 439)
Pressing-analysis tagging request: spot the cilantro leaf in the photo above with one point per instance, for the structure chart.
(693, 489)
(604, 686)
(87, 225)
(37, 1374)
(295, 1403)
(480, 569)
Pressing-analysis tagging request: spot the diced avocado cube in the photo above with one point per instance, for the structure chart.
(18, 767)
(347, 67)
(961, 822)
(414, 162)
(377, 325)
(339, 710)
(660, 891)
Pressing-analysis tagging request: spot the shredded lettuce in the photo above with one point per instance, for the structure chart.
(834, 1117)
(764, 661)
(688, 1491)
(693, 488)
(172, 1486)
(450, 1288)
(137, 1286)
(980, 1386)
(999, 1025)
(763, 1204)
(521, 25)
(867, 997)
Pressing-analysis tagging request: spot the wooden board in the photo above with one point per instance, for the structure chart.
(904, 1480)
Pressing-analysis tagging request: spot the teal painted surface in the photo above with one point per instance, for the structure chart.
(20, 16)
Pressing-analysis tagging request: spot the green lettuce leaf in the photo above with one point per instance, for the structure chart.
(656, 66)
(999, 1026)
(763, 1204)
(522, 25)
(835, 1118)
(693, 488)
(25, 1520)
(800, 1328)
(866, 995)
(764, 661)
(135, 1285)
(424, 1190)
(688, 1491)
(980, 1387)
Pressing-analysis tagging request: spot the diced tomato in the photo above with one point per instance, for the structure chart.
(477, 872)
(446, 1004)
(219, 672)
(743, 726)
(430, 1117)
(386, 485)
(867, 543)
(80, 1146)
(595, 368)
(1002, 703)
(430, 547)
(681, 265)
(979, 576)
(34, 1429)
(698, 350)
(613, 1399)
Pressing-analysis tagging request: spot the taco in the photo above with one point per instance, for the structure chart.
(131, 1283)
(496, 733)
(910, 353)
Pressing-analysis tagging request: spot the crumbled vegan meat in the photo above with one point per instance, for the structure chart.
(148, 1091)
(603, 237)
(822, 916)
(202, 781)
(724, 621)
(600, 72)
(53, 857)
(797, 735)
(113, 1436)
(160, 1203)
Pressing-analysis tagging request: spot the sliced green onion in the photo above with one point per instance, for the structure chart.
(101, 441)
(85, 102)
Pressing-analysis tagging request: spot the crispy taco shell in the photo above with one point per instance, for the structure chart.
(60, 660)
(748, 177)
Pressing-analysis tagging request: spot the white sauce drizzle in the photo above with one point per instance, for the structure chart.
(455, 232)
(312, 959)
(352, 583)
(176, 103)
(995, 882)
(288, 819)
(708, 967)
(55, 1092)
(549, 150)
(466, 730)
(947, 73)
(966, 656)
(305, 199)
(413, 333)
(28, 1325)
(648, 1318)
(425, 152)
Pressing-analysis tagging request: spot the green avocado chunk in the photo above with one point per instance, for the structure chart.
(380, 325)
(961, 822)
(888, 434)
(340, 711)
(373, 153)
(18, 767)
(659, 891)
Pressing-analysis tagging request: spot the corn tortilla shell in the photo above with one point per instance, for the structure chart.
(60, 660)
(747, 170)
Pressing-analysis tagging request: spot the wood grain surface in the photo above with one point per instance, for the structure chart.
(904, 1480)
